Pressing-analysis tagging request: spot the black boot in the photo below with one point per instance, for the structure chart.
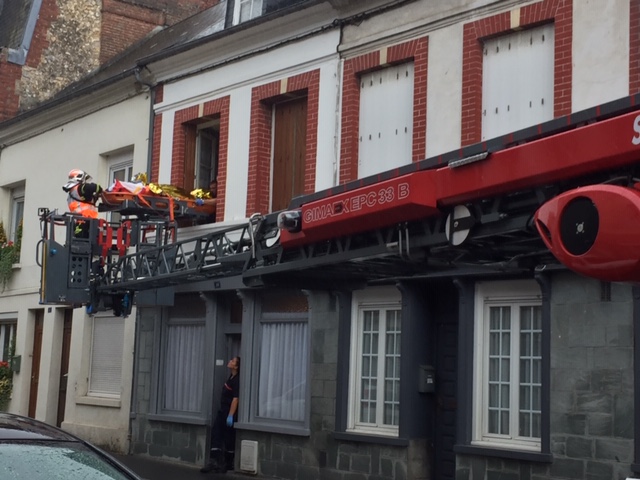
(220, 462)
(214, 461)
(229, 460)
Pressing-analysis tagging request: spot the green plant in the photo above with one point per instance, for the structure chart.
(9, 254)
(6, 385)
(6, 376)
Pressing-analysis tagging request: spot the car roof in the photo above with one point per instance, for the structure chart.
(17, 427)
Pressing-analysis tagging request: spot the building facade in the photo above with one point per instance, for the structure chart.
(393, 345)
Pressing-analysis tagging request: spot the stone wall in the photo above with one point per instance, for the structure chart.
(64, 49)
(74, 37)
(320, 455)
(592, 401)
(592, 397)
(161, 439)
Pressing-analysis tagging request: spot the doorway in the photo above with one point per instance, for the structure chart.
(35, 362)
(64, 365)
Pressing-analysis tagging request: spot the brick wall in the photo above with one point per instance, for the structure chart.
(9, 77)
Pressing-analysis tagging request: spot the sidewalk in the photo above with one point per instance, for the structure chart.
(155, 469)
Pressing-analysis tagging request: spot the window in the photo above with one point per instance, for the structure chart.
(105, 377)
(7, 335)
(184, 357)
(508, 360)
(246, 10)
(374, 387)
(206, 157)
(518, 80)
(17, 212)
(120, 169)
(284, 353)
(279, 387)
(386, 127)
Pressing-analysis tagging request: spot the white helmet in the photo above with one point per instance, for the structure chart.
(76, 176)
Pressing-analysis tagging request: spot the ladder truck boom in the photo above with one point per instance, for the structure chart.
(105, 267)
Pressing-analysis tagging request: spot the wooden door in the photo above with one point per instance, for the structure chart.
(35, 362)
(64, 365)
(289, 151)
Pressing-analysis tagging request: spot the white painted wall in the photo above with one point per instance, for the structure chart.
(43, 163)
(444, 90)
(600, 52)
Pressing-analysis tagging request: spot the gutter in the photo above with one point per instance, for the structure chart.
(337, 23)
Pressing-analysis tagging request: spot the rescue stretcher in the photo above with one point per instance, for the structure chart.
(150, 204)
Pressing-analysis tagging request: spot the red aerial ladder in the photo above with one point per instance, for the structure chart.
(567, 187)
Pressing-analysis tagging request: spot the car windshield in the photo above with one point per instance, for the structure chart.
(47, 460)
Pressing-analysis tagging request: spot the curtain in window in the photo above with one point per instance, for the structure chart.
(184, 367)
(284, 356)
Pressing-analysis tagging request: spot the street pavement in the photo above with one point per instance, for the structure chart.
(153, 469)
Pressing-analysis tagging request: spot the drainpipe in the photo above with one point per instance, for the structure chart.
(149, 87)
(152, 92)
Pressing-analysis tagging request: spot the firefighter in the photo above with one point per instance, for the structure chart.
(82, 196)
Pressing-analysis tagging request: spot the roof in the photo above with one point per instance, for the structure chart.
(198, 26)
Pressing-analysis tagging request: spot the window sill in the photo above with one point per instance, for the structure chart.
(99, 402)
(176, 419)
(504, 453)
(273, 428)
(360, 437)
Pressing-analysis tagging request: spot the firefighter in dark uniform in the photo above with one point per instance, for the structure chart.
(223, 435)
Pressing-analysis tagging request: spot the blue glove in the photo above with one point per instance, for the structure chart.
(230, 421)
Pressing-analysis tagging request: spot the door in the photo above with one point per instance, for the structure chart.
(35, 362)
(64, 365)
(289, 151)
(446, 404)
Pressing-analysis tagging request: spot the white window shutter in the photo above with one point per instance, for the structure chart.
(386, 119)
(517, 81)
(106, 356)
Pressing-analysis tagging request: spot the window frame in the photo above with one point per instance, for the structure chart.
(237, 10)
(515, 294)
(17, 198)
(211, 131)
(118, 163)
(249, 378)
(291, 318)
(199, 316)
(10, 324)
(384, 299)
(168, 322)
